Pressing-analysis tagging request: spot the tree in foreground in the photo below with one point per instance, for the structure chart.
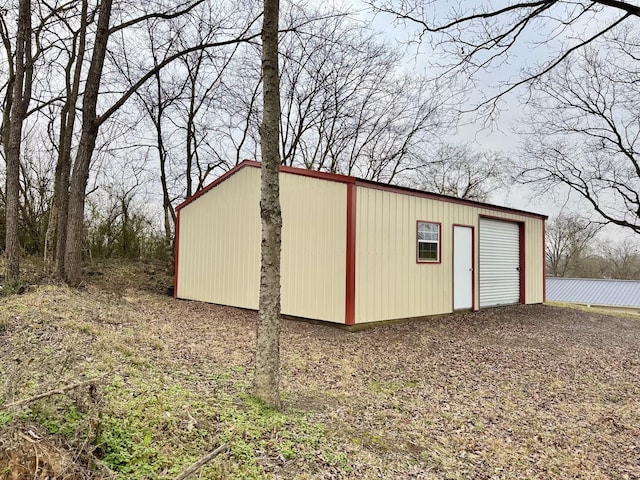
(267, 364)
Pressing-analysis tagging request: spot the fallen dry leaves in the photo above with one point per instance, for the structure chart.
(512, 392)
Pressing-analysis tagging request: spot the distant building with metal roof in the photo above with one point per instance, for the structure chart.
(594, 291)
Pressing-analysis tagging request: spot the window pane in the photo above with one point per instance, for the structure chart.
(422, 231)
(427, 251)
(428, 231)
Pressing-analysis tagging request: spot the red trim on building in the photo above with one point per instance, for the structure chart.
(427, 262)
(474, 307)
(473, 264)
(544, 263)
(350, 285)
(521, 250)
(334, 177)
(219, 180)
(444, 198)
(523, 265)
(175, 266)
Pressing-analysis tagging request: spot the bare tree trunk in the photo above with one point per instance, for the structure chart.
(56, 238)
(89, 133)
(20, 102)
(267, 366)
(91, 123)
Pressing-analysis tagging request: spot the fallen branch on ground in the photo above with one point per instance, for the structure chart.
(200, 463)
(55, 391)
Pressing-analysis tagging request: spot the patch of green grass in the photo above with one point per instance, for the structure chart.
(67, 425)
(11, 287)
(59, 418)
(156, 425)
(337, 459)
(387, 388)
(5, 418)
(127, 448)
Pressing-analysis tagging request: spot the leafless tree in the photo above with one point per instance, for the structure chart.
(569, 242)
(461, 171)
(17, 99)
(621, 260)
(186, 100)
(267, 361)
(585, 135)
(584, 95)
(347, 106)
(478, 37)
(55, 241)
(92, 121)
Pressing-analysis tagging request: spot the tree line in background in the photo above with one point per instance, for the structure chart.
(574, 66)
(576, 247)
(113, 112)
(110, 107)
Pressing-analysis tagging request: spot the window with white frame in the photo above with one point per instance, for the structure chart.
(428, 248)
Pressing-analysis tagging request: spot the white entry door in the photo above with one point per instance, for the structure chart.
(462, 267)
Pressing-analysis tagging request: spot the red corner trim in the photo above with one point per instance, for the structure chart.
(350, 285)
(175, 272)
(544, 263)
(474, 307)
(523, 265)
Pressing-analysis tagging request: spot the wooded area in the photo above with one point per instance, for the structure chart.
(113, 113)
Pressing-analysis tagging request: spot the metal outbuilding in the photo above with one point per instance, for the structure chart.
(594, 291)
(356, 251)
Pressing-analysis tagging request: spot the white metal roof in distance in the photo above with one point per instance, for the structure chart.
(591, 291)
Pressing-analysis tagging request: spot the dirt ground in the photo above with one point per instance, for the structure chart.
(511, 392)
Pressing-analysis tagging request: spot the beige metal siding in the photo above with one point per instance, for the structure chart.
(389, 282)
(534, 252)
(219, 244)
(314, 234)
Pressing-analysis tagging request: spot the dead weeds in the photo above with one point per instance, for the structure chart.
(513, 392)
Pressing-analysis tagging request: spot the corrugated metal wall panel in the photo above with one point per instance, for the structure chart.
(389, 282)
(592, 291)
(314, 231)
(534, 269)
(219, 247)
(499, 262)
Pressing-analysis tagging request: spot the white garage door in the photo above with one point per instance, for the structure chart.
(499, 262)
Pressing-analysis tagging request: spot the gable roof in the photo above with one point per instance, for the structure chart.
(334, 177)
(594, 291)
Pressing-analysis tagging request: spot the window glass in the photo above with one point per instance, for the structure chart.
(428, 242)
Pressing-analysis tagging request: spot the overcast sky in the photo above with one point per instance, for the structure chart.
(500, 134)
